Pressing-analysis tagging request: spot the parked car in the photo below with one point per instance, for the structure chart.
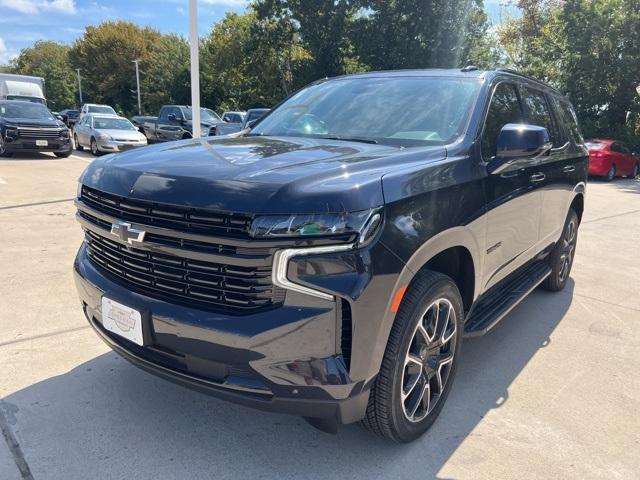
(96, 108)
(31, 127)
(233, 117)
(139, 120)
(70, 117)
(22, 87)
(611, 158)
(106, 133)
(252, 116)
(327, 267)
(174, 123)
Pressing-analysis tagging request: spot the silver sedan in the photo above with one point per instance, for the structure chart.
(106, 133)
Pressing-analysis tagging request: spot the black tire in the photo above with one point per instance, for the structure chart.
(634, 172)
(94, 148)
(63, 154)
(77, 144)
(562, 255)
(387, 412)
(3, 152)
(611, 174)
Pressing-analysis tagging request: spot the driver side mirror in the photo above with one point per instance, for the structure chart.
(251, 123)
(518, 142)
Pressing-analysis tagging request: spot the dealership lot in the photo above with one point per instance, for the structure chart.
(553, 391)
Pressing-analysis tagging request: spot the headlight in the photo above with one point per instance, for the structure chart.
(11, 132)
(79, 190)
(204, 132)
(362, 223)
(104, 136)
(64, 133)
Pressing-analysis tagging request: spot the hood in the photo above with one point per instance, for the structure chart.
(268, 175)
(30, 122)
(122, 134)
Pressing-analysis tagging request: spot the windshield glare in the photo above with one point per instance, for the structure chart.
(97, 109)
(206, 115)
(112, 124)
(29, 110)
(27, 99)
(404, 111)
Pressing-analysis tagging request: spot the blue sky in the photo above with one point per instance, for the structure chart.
(22, 22)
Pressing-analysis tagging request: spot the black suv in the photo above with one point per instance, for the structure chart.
(31, 127)
(329, 263)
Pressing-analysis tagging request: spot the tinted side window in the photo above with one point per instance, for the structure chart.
(505, 108)
(615, 147)
(538, 113)
(164, 113)
(570, 121)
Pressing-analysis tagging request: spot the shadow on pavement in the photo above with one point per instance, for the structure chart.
(107, 419)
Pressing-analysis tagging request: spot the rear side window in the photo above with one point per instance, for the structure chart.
(570, 121)
(615, 147)
(505, 108)
(539, 113)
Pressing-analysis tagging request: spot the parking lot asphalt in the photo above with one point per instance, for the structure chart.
(552, 392)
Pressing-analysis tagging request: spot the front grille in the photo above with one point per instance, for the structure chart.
(39, 132)
(185, 219)
(214, 286)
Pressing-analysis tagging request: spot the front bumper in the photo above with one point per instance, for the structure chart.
(116, 146)
(56, 145)
(286, 360)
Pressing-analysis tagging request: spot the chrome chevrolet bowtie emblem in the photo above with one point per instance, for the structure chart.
(125, 232)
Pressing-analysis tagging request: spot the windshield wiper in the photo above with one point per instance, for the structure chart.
(352, 139)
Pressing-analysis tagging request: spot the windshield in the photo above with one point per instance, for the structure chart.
(112, 124)
(101, 109)
(404, 111)
(27, 99)
(206, 115)
(591, 145)
(31, 111)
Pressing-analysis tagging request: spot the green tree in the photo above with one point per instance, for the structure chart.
(50, 60)
(105, 54)
(394, 34)
(323, 28)
(590, 50)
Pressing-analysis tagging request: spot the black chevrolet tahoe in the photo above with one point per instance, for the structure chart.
(31, 127)
(330, 262)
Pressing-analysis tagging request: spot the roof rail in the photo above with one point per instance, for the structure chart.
(528, 77)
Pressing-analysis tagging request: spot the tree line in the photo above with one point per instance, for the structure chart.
(588, 49)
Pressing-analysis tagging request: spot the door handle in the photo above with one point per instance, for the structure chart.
(537, 177)
(569, 169)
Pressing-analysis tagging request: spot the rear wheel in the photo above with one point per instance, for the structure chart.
(611, 173)
(419, 362)
(634, 172)
(561, 257)
(77, 143)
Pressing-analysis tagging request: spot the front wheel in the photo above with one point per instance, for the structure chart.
(3, 150)
(77, 143)
(634, 172)
(561, 257)
(94, 147)
(420, 360)
(62, 154)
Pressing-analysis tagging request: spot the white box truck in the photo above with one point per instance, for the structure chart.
(22, 87)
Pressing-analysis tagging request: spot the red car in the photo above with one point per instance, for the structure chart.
(611, 158)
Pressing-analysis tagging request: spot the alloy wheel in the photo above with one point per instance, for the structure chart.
(94, 147)
(428, 360)
(568, 249)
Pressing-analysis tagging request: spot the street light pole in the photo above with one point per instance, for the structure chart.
(138, 86)
(195, 68)
(79, 85)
